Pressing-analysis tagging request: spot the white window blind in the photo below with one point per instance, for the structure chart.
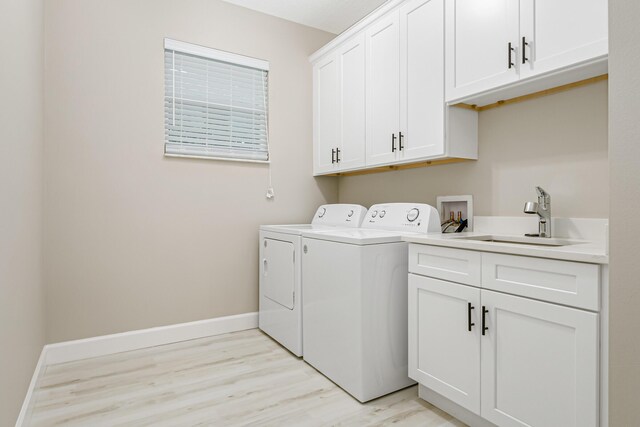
(216, 103)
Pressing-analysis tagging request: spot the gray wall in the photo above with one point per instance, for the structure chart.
(21, 291)
(624, 155)
(133, 239)
(558, 142)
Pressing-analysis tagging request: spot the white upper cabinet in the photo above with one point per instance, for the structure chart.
(482, 43)
(383, 84)
(407, 116)
(422, 112)
(405, 93)
(379, 93)
(339, 108)
(561, 33)
(351, 60)
(326, 114)
(500, 49)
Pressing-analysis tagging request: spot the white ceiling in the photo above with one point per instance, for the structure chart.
(333, 16)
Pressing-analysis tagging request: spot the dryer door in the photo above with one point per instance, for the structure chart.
(278, 272)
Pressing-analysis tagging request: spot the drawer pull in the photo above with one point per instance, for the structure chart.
(469, 322)
(484, 313)
(510, 50)
(524, 50)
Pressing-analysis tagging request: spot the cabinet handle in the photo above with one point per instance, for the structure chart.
(333, 155)
(337, 155)
(400, 146)
(469, 322)
(510, 51)
(524, 50)
(484, 313)
(393, 142)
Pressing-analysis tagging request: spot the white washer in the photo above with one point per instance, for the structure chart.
(355, 299)
(280, 313)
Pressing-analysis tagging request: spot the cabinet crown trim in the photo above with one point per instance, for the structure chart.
(355, 28)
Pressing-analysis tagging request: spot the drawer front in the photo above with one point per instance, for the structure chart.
(563, 282)
(454, 265)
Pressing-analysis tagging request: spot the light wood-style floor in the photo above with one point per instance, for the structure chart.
(243, 378)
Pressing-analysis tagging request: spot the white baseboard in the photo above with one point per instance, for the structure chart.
(70, 351)
(25, 411)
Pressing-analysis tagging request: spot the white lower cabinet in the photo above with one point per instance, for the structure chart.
(511, 360)
(539, 363)
(444, 339)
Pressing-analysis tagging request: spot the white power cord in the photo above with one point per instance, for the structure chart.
(270, 194)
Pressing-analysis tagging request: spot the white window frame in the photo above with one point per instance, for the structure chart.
(223, 56)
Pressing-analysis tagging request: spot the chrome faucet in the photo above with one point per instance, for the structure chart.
(543, 210)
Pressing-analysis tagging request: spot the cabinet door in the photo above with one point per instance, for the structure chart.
(383, 98)
(351, 57)
(539, 363)
(326, 115)
(478, 34)
(422, 120)
(444, 355)
(561, 33)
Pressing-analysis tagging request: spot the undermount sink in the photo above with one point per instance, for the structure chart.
(537, 241)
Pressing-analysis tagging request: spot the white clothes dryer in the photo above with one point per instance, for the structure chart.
(280, 304)
(355, 299)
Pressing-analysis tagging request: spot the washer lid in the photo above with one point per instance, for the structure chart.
(356, 236)
(295, 229)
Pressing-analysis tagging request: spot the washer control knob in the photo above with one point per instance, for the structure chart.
(382, 214)
(413, 214)
(321, 212)
(374, 214)
(350, 214)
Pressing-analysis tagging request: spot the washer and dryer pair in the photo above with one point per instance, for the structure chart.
(280, 313)
(354, 305)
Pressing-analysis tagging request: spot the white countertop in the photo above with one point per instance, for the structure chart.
(580, 250)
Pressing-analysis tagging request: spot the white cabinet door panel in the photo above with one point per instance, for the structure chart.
(564, 282)
(422, 118)
(443, 354)
(326, 113)
(454, 265)
(351, 58)
(383, 86)
(478, 34)
(560, 33)
(539, 363)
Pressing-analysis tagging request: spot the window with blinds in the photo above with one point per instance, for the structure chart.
(216, 104)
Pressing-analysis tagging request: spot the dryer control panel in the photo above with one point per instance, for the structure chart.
(344, 215)
(410, 217)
